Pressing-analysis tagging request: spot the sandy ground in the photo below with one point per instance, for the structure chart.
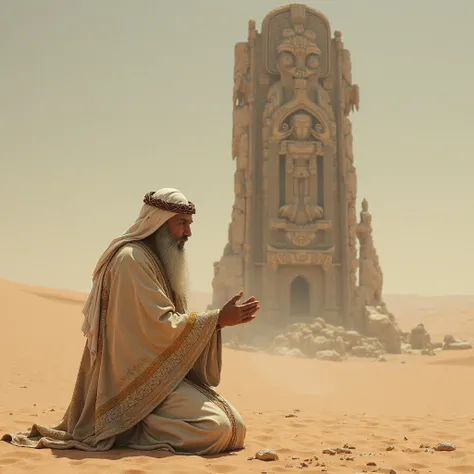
(296, 407)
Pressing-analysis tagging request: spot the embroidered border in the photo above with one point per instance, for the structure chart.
(222, 404)
(154, 366)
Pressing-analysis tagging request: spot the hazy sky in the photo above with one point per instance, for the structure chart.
(102, 101)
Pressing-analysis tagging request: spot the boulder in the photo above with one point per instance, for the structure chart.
(382, 327)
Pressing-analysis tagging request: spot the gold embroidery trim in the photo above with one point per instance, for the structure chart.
(221, 403)
(154, 366)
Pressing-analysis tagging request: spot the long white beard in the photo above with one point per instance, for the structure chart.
(174, 260)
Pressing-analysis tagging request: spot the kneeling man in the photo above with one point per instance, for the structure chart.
(147, 371)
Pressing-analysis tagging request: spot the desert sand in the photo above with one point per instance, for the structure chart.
(297, 407)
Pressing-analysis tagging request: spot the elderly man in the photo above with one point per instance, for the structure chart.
(147, 370)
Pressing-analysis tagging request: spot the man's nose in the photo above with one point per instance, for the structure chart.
(187, 231)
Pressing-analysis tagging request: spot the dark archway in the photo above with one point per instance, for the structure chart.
(299, 296)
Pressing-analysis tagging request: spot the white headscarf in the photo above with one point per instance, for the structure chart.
(151, 218)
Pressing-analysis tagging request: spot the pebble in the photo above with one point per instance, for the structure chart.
(445, 446)
(267, 455)
(332, 452)
(389, 448)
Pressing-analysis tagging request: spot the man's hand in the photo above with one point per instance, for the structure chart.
(232, 314)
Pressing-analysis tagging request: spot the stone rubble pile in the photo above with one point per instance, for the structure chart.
(382, 335)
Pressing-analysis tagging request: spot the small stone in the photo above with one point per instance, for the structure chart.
(349, 446)
(267, 455)
(343, 451)
(294, 457)
(10, 414)
(304, 464)
(445, 446)
(331, 452)
(250, 458)
(291, 415)
(405, 438)
(389, 448)
(392, 471)
(371, 463)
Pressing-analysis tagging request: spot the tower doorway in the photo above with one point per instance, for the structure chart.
(299, 296)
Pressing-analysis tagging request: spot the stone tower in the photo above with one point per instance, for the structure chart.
(293, 233)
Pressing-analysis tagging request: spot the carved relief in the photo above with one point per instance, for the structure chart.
(350, 94)
(349, 102)
(241, 74)
(370, 273)
(301, 168)
(300, 238)
(299, 257)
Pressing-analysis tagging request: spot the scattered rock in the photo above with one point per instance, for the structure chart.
(328, 355)
(390, 448)
(428, 352)
(445, 446)
(453, 344)
(384, 328)
(419, 338)
(371, 463)
(331, 452)
(291, 415)
(266, 455)
(343, 451)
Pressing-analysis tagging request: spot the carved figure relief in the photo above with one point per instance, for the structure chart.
(351, 93)
(370, 273)
(241, 74)
(301, 167)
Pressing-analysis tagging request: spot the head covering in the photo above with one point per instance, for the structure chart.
(158, 207)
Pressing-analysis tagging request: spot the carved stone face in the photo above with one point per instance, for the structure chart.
(298, 53)
(301, 125)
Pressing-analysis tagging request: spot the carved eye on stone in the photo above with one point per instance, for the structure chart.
(286, 59)
(285, 127)
(318, 128)
(312, 61)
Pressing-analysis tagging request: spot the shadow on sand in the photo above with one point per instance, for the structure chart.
(121, 453)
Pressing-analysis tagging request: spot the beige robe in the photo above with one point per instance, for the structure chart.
(149, 386)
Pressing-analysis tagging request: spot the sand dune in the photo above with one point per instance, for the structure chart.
(297, 407)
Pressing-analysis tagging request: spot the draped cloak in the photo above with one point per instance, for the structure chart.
(150, 384)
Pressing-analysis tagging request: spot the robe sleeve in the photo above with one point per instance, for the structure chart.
(207, 369)
(148, 347)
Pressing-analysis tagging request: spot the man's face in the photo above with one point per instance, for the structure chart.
(180, 228)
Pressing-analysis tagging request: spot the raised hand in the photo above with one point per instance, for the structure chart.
(233, 314)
